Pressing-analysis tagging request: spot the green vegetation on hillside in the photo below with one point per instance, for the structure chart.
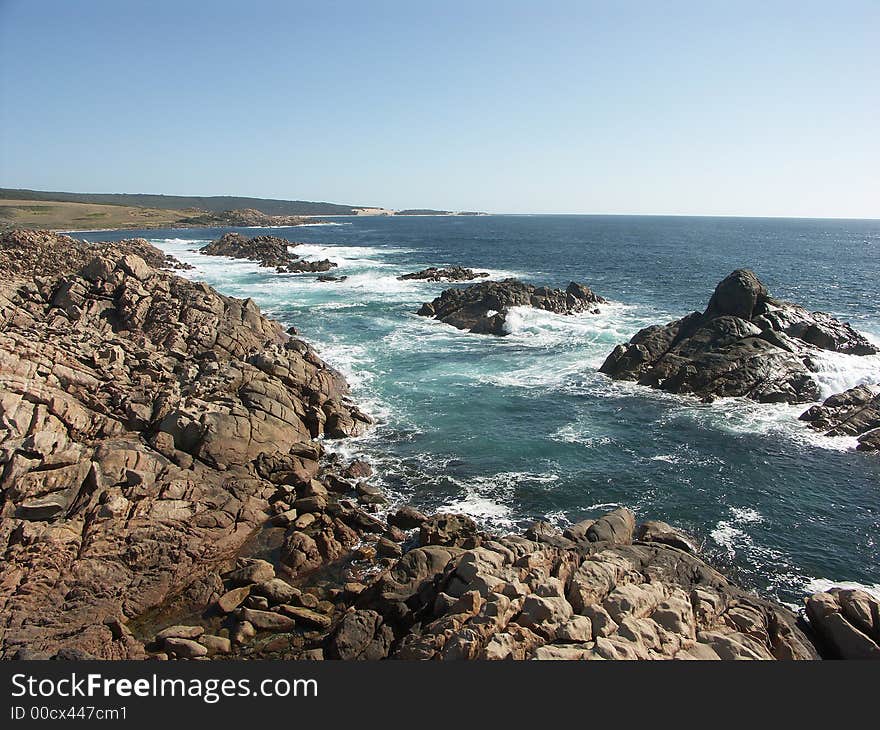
(213, 204)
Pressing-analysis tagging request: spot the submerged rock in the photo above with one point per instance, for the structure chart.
(745, 344)
(855, 412)
(483, 308)
(453, 273)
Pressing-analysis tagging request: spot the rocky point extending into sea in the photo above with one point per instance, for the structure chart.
(166, 494)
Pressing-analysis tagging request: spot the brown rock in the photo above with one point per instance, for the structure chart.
(267, 621)
(231, 600)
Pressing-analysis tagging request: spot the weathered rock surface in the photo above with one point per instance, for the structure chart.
(301, 266)
(27, 253)
(135, 406)
(855, 412)
(847, 622)
(269, 251)
(656, 531)
(483, 308)
(745, 344)
(155, 446)
(453, 273)
(603, 598)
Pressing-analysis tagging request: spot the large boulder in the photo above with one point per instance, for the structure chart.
(483, 308)
(744, 344)
(847, 622)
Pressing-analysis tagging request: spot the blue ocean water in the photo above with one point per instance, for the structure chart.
(523, 427)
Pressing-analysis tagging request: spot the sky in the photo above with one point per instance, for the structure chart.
(704, 108)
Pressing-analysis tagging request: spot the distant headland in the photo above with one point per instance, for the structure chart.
(80, 211)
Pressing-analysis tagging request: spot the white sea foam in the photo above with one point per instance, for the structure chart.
(603, 506)
(820, 585)
(323, 223)
(838, 372)
(348, 256)
(490, 499)
(186, 241)
(729, 533)
(539, 328)
(727, 536)
(574, 433)
(746, 515)
(480, 507)
(738, 416)
(668, 458)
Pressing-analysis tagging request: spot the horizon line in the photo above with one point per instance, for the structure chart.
(774, 216)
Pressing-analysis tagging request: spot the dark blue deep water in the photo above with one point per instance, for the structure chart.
(523, 427)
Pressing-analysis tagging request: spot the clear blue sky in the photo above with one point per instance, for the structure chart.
(730, 108)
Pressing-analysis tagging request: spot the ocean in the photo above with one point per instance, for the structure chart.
(519, 428)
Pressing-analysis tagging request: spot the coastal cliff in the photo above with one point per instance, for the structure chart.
(165, 494)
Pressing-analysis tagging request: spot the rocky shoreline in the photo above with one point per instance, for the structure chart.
(166, 495)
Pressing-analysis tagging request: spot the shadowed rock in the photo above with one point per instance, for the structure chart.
(847, 621)
(855, 412)
(745, 344)
(267, 250)
(483, 308)
(453, 273)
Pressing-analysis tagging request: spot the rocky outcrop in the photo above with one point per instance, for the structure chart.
(847, 622)
(453, 273)
(148, 427)
(268, 250)
(243, 217)
(300, 266)
(855, 412)
(27, 253)
(600, 596)
(483, 308)
(745, 344)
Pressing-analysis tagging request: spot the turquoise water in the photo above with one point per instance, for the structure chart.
(523, 427)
